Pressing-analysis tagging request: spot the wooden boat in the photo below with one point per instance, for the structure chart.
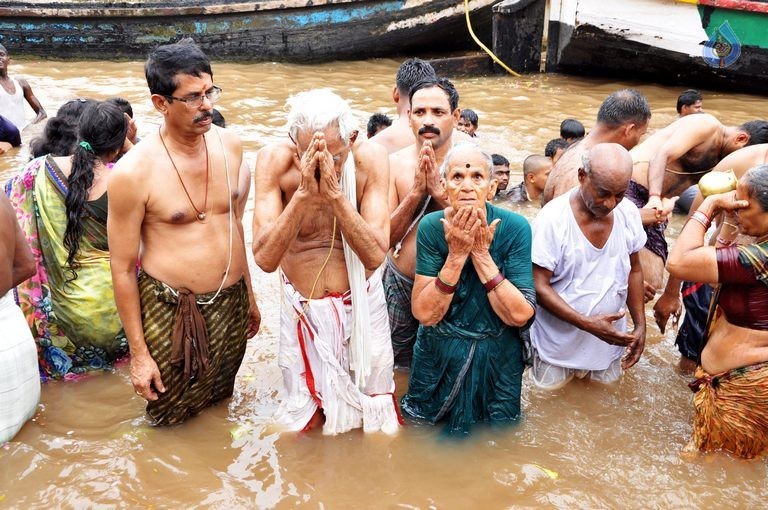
(287, 30)
(697, 43)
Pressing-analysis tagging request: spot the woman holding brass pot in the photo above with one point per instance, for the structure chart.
(731, 386)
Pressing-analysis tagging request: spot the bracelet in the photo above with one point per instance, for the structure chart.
(494, 282)
(654, 195)
(445, 287)
(725, 242)
(730, 224)
(701, 218)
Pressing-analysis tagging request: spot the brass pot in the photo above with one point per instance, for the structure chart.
(717, 182)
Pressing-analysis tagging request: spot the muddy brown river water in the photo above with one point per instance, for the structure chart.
(584, 446)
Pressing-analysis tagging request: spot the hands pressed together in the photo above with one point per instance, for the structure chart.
(467, 231)
(427, 175)
(318, 172)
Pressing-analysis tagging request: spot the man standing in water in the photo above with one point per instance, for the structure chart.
(399, 134)
(13, 93)
(670, 161)
(622, 118)
(586, 271)
(188, 314)
(321, 216)
(415, 190)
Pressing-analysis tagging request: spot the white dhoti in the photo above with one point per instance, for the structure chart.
(19, 375)
(315, 360)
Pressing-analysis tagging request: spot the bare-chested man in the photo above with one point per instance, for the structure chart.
(670, 161)
(622, 118)
(414, 191)
(20, 380)
(173, 201)
(399, 134)
(321, 216)
(696, 296)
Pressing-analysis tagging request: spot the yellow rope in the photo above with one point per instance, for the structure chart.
(483, 46)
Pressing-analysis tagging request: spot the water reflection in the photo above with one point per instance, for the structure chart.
(585, 446)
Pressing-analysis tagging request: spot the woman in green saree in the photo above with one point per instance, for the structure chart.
(61, 204)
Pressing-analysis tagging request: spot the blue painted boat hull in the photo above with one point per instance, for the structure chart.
(304, 32)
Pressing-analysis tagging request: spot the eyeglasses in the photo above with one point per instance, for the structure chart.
(193, 102)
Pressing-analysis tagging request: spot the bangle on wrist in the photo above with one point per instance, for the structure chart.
(730, 224)
(445, 287)
(725, 242)
(701, 218)
(654, 195)
(494, 282)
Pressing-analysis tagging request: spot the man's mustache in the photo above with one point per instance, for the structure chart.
(203, 116)
(429, 129)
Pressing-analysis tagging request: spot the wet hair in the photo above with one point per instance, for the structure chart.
(534, 162)
(59, 136)
(470, 116)
(554, 145)
(411, 72)
(464, 145)
(442, 83)
(170, 60)
(571, 128)
(622, 107)
(498, 159)
(757, 131)
(123, 104)
(317, 110)
(756, 180)
(104, 127)
(687, 98)
(217, 118)
(376, 121)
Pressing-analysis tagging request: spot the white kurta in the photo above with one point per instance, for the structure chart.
(592, 281)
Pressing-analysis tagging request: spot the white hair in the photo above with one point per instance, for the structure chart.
(466, 145)
(317, 110)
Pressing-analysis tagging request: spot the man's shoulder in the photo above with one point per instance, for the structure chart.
(409, 152)
(276, 156)
(402, 164)
(369, 150)
(140, 159)
(554, 211)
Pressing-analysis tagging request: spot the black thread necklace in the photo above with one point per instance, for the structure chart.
(200, 214)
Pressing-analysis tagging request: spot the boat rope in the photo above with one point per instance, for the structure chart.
(483, 46)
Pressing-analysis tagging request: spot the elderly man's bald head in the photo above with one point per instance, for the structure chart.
(604, 176)
(608, 161)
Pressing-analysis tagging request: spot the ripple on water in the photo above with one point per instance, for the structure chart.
(584, 446)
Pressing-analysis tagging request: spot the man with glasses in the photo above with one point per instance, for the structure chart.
(321, 216)
(189, 311)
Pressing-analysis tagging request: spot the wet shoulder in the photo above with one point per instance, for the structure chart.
(277, 157)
